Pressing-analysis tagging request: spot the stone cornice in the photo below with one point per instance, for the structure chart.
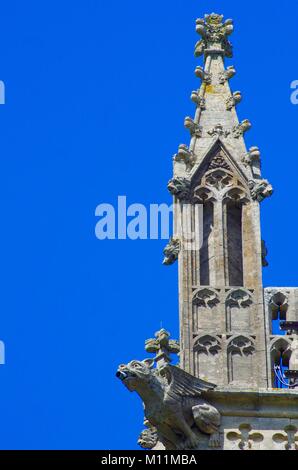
(267, 403)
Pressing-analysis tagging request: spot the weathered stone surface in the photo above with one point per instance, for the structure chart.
(172, 405)
(171, 251)
(226, 316)
(214, 35)
(162, 346)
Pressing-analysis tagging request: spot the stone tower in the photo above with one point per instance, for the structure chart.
(222, 321)
(238, 341)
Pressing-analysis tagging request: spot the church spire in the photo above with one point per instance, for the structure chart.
(215, 116)
(218, 175)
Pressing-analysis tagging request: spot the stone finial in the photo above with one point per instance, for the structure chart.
(171, 251)
(162, 346)
(214, 34)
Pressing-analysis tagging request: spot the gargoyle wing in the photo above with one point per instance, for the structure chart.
(181, 383)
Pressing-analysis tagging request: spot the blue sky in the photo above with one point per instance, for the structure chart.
(96, 95)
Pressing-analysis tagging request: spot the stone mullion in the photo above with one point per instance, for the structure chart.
(178, 230)
(185, 294)
(197, 239)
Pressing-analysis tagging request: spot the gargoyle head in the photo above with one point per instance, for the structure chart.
(135, 374)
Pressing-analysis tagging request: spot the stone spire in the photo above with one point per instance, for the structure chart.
(220, 284)
(216, 117)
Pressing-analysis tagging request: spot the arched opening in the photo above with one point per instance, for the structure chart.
(206, 356)
(233, 243)
(280, 356)
(278, 306)
(240, 361)
(206, 251)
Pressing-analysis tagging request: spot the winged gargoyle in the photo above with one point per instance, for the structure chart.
(173, 404)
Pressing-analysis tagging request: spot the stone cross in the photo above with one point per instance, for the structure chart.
(162, 346)
(244, 437)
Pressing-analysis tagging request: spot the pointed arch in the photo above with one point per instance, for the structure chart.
(278, 304)
(280, 354)
(207, 356)
(240, 355)
(238, 310)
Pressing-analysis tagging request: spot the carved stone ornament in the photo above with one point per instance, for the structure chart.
(171, 251)
(162, 346)
(219, 161)
(205, 298)
(194, 128)
(287, 439)
(172, 403)
(239, 130)
(233, 100)
(184, 155)
(214, 35)
(219, 130)
(260, 189)
(205, 76)
(241, 345)
(239, 298)
(244, 438)
(218, 178)
(227, 74)
(149, 437)
(180, 187)
(199, 100)
(210, 345)
(252, 156)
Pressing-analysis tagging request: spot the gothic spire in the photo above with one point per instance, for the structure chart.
(216, 121)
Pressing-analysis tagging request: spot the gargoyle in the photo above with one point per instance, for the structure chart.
(260, 189)
(171, 251)
(180, 187)
(172, 403)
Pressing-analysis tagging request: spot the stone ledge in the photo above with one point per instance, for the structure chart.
(255, 402)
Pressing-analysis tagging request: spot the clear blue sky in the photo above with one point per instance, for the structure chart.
(96, 95)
